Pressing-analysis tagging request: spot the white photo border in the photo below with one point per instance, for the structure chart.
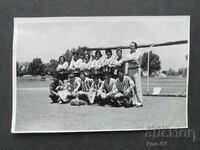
(17, 21)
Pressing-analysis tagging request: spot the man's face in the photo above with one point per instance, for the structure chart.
(81, 56)
(109, 54)
(106, 77)
(55, 80)
(133, 47)
(71, 79)
(96, 79)
(87, 57)
(121, 75)
(82, 76)
(62, 60)
(98, 55)
(119, 53)
(75, 57)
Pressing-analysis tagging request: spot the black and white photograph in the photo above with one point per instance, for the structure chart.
(91, 74)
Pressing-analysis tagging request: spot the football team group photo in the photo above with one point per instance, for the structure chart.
(82, 74)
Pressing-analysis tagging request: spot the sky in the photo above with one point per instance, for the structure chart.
(48, 38)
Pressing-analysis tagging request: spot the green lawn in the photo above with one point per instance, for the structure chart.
(35, 113)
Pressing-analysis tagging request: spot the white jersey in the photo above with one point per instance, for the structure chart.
(62, 67)
(73, 86)
(126, 84)
(118, 62)
(107, 87)
(135, 63)
(87, 65)
(109, 61)
(133, 56)
(97, 63)
(75, 64)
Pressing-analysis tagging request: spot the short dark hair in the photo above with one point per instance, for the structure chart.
(118, 49)
(120, 70)
(62, 57)
(96, 76)
(82, 73)
(55, 75)
(108, 51)
(88, 55)
(71, 75)
(75, 53)
(98, 51)
(136, 46)
(107, 74)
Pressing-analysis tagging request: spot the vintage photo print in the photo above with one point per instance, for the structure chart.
(86, 74)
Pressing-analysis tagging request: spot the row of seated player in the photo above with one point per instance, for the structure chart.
(84, 90)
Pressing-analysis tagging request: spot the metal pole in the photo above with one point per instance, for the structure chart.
(148, 58)
(139, 46)
(148, 68)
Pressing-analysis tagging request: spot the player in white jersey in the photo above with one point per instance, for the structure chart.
(108, 61)
(106, 89)
(87, 65)
(97, 64)
(70, 90)
(85, 94)
(62, 69)
(95, 87)
(75, 62)
(135, 61)
(118, 62)
(119, 59)
(98, 60)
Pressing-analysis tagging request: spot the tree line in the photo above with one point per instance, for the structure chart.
(37, 67)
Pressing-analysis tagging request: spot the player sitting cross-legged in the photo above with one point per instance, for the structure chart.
(123, 90)
(96, 84)
(106, 89)
(55, 86)
(71, 87)
(85, 94)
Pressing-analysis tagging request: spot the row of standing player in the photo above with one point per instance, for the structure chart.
(81, 61)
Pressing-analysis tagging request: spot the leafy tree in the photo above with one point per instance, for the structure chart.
(22, 68)
(51, 66)
(36, 67)
(154, 62)
(19, 67)
(25, 67)
(44, 70)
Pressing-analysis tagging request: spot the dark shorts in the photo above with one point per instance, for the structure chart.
(54, 98)
(122, 99)
(62, 76)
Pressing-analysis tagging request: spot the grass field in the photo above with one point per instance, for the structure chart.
(174, 86)
(35, 113)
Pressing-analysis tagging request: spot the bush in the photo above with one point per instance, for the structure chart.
(37, 67)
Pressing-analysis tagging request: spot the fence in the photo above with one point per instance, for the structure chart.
(168, 86)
